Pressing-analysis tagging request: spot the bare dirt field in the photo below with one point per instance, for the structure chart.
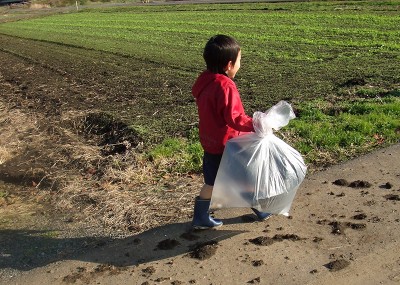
(68, 217)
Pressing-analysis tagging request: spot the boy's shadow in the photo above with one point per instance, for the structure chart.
(28, 249)
(164, 242)
(157, 244)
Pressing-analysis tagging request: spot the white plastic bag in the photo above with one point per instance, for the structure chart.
(260, 170)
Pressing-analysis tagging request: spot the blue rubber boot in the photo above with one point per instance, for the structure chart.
(262, 216)
(201, 218)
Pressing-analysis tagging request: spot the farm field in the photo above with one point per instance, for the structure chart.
(98, 125)
(141, 60)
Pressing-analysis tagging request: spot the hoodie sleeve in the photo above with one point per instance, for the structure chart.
(234, 113)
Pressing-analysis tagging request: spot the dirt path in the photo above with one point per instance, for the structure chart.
(338, 233)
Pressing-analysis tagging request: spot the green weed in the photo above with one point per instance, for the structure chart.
(358, 127)
(178, 154)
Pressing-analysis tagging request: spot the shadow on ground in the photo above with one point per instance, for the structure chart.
(28, 249)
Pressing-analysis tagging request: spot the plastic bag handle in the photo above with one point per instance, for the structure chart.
(274, 118)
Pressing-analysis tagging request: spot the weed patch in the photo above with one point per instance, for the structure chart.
(347, 128)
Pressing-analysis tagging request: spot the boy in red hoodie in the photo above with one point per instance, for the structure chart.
(221, 117)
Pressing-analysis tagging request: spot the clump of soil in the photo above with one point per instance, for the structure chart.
(375, 219)
(356, 226)
(337, 265)
(264, 240)
(341, 182)
(392, 197)
(354, 184)
(337, 228)
(257, 263)
(323, 222)
(291, 237)
(387, 185)
(111, 269)
(360, 184)
(204, 250)
(149, 270)
(168, 244)
(255, 280)
(360, 216)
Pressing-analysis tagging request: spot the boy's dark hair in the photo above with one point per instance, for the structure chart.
(219, 50)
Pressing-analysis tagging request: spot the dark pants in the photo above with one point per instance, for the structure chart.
(210, 167)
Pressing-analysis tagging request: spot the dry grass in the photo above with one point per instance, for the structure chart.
(123, 192)
(5, 154)
(125, 208)
(14, 124)
(129, 199)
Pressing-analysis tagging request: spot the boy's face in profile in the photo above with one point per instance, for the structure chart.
(232, 69)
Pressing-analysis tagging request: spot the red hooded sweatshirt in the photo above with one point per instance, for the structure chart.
(221, 112)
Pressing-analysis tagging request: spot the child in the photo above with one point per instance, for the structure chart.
(221, 117)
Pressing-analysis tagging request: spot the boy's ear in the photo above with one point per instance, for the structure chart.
(228, 66)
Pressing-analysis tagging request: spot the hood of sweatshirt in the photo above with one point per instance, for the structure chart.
(204, 80)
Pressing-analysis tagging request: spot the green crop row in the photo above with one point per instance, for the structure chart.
(315, 34)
